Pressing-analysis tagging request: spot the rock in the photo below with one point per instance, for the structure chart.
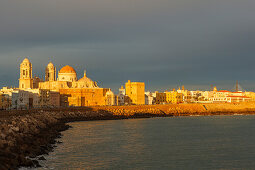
(15, 129)
(41, 158)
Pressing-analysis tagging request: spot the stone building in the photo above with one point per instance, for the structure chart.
(111, 99)
(62, 89)
(149, 99)
(5, 101)
(34, 98)
(136, 92)
(123, 99)
(160, 98)
(174, 97)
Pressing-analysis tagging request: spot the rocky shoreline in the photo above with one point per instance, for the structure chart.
(25, 135)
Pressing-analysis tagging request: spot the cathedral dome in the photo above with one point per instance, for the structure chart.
(67, 69)
(68, 74)
(86, 82)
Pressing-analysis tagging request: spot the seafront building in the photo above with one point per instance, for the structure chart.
(62, 89)
(136, 92)
(6, 98)
(214, 96)
(132, 94)
(174, 97)
(122, 96)
(5, 101)
(149, 98)
(160, 97)
(251, 95)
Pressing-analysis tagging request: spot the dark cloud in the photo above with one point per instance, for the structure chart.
(163, 43)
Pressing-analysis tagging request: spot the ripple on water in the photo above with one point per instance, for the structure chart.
(207, 142)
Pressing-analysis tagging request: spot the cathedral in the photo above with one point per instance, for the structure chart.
(73, 91)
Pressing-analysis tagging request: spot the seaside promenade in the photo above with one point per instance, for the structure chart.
(26, 134)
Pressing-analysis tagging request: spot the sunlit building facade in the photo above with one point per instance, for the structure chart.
(136, 92)
(58, 90)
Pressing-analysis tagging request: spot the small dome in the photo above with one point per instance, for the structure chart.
(85, 79)
(67, 69)
(86, 82)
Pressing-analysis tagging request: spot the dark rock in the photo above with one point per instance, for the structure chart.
(36, 163)
(41, 158)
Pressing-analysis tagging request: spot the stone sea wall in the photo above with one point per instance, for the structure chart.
(183, 109)
(26, 134)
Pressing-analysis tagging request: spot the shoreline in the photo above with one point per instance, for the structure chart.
(26, 135)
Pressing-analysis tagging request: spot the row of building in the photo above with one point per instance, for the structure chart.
(186, 96)
(64, 89)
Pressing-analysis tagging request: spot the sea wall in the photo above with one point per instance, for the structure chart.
(182, 109)
(26, 134)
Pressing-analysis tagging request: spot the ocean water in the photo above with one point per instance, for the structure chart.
(206, 142)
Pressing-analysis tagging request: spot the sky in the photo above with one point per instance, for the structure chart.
(164, 43)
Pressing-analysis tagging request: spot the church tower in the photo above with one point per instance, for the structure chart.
(50, 72)
(26, 80)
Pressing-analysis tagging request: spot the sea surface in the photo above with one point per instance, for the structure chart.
(199, 142)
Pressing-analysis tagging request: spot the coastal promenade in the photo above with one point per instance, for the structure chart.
(25, 135)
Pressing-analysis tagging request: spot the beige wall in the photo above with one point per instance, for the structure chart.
(83, 97)
(136, 92)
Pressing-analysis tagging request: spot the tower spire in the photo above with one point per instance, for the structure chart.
(85, 73)
(237, 86)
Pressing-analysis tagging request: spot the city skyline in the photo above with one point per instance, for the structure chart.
(40, 73)
(164, 44)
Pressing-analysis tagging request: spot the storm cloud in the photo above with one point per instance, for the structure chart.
(164, 43)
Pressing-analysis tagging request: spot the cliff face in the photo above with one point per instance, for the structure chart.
(27, 134)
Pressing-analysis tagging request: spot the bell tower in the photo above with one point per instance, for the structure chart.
(50, 72)
(26, 80)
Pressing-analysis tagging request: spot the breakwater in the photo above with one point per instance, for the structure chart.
(24, 135)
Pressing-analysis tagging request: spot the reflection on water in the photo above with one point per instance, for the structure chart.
(209, 142)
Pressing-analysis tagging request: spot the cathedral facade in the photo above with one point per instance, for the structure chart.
(72, 91)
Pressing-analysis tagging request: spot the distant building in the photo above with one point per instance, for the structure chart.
(111, 99)
(220, 96)
(235, 99)
(251, 95)
(186, 95)
(149, 99)
(225, 96)
(5, 101)
(135, 92)
(6, 97)
(121, 96)
(174, 97)
(160, 98)
(35, 98)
